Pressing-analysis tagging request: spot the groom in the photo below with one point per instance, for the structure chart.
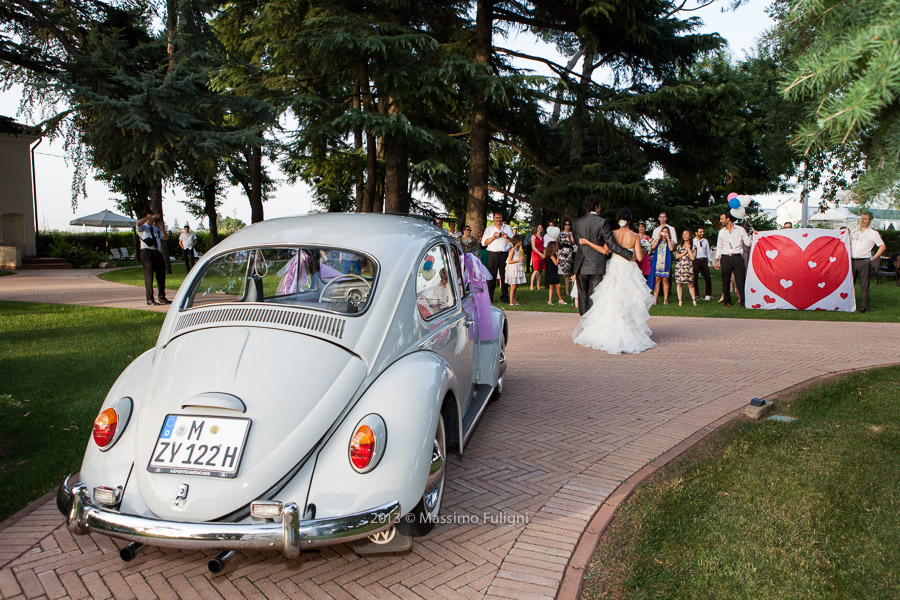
(590, 265)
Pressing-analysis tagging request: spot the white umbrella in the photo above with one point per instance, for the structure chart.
(106, 219)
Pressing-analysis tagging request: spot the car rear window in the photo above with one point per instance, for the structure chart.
(332, 279)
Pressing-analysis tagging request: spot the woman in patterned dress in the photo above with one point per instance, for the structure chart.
(684, 268)
(566, 241)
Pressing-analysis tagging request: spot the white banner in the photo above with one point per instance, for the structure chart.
(800, 269)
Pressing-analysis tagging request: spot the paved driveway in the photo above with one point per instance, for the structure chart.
(572, 424)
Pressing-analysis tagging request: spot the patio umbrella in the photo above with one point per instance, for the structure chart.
(106, 219)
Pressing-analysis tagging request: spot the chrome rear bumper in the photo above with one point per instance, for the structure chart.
(288, 537)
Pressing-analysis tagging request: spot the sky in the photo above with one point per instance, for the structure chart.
(741, 28)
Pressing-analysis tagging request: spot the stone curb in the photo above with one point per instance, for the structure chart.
(573, 577)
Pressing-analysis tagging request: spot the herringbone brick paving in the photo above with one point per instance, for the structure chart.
(572, 424)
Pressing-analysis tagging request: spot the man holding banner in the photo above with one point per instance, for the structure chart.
(730, 255)
(861, 243)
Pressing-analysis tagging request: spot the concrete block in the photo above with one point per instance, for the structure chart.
(758, 412)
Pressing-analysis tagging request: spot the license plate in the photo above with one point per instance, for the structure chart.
(195, 445)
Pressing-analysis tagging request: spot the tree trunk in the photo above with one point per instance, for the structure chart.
(396, 176)
(171, 26)
(256, 204)
(371, 145)
(209, 206)
(357, 146)
(156, 190)
(479, 158)
(580, 114)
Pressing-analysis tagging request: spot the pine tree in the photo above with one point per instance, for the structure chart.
(844, 65)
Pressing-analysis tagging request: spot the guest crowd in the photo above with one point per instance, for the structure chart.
(546, 255)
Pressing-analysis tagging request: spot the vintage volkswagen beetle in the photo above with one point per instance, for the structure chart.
(307, 382)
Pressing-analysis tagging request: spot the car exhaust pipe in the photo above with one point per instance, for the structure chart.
(128, 552)
(217, 565)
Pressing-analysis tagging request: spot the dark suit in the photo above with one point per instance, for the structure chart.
(590, 265)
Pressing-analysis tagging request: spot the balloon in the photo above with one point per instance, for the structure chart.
(739, 212)
(745, 200)
(734, 203)
(428, 265)
(732, 195)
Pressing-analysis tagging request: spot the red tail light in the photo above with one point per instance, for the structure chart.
(362, 447)
(105, 427)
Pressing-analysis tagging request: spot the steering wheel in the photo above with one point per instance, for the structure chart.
(353, 295)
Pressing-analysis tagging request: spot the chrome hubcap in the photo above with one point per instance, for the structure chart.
(436, 474)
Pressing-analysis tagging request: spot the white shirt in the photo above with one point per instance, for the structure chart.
(672, 234)
(187, 240)
(146, 233)
(500, 244)
(732, 242)
(701, 247)
(862, 241)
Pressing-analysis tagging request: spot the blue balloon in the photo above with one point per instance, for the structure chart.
(734, 203)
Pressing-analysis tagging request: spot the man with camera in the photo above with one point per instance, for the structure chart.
(152, 233)
(496, 240)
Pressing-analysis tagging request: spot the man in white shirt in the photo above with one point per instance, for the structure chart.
(861, 243)
(451, 225)
(663, 222)
(496, 240)
(730, 256)
(187, 240)
(701, 262)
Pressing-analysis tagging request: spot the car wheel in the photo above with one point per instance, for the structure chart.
(429, 506)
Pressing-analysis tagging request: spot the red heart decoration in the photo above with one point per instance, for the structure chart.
(768, 299)
(837, 308)
(793, 264)
(843, 295)
(752, 291)
(805, 235)
(820, 309)
(756, 306)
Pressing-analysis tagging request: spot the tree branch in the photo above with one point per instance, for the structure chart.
(518, 198)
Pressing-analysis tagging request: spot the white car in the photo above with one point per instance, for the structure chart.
(306, 385)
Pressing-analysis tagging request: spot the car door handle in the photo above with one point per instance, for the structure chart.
(468, 322)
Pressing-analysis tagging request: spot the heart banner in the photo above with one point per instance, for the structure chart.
(800, 269)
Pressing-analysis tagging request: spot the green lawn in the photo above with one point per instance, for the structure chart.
(57, 364)
(3, 273)
(769, 509)
(884, 301)
(135, 276)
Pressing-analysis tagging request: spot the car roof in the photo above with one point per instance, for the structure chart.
(383, 236)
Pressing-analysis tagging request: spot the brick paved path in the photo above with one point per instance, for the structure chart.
(572, 424)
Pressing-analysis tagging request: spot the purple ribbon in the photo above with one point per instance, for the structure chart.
(476, 276)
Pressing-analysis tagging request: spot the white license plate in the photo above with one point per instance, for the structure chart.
(195, 445)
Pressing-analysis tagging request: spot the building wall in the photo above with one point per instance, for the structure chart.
(16, 199)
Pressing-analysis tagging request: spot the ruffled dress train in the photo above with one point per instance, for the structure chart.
(617, 319)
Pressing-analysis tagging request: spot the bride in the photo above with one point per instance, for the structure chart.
(617, 321)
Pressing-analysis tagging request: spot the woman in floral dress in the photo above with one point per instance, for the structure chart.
(566, 243)
(684, 268)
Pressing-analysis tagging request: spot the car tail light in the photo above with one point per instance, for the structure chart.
(105, 427)
(367, 444)
(111, 422)
(362, 447)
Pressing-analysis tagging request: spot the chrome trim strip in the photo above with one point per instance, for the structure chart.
(478, 416)
(288, 537)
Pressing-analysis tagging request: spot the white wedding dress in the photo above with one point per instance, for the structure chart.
(617, 320)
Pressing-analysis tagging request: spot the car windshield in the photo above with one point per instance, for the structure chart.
(327, 278)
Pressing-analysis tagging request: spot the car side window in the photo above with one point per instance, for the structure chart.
(435, 288)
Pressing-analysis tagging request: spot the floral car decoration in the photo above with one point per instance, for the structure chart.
(307, 383)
